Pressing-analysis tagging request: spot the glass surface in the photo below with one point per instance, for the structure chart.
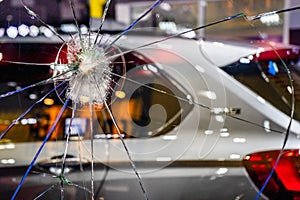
(145, 100)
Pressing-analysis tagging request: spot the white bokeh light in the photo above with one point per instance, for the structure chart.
(34, 31)
(12, 32)
(23, 30)
(2, 32)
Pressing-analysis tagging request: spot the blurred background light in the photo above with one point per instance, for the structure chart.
(68, 28)
(12, 32)
(48, 102)
(84, 29)
(46, 31)
(23, 30)
(270, 19)
(120, 94)
(33, 96)
(33, 31)
(2, 32)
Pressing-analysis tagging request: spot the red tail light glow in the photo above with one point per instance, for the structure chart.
(285, 182)
(280, 53)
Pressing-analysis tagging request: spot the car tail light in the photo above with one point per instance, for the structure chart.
(285, 181)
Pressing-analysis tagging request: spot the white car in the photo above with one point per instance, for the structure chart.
(147, 116)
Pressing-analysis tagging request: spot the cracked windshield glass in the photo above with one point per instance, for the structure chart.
(125, 99)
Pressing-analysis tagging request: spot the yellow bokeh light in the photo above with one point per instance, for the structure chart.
(120, 94)
(48, 102)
